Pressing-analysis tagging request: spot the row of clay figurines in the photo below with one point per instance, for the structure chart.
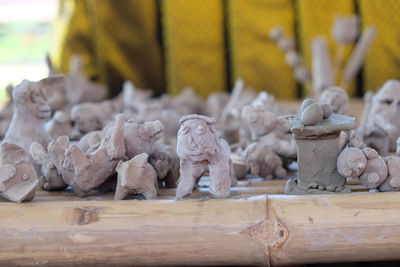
(100, 140)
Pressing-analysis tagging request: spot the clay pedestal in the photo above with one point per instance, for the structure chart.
(317, 152)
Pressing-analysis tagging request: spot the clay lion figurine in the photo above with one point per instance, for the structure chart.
(200, 149)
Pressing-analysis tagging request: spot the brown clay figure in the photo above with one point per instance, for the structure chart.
(50, 177)
(18, 180)
(317, 152)
(31, 111)
(365, 164)
(136, 176)
(86, 171)
(337, 98)
(166, 163)
(264, 162)
(392, 183)
(380, 125)
(200, 149)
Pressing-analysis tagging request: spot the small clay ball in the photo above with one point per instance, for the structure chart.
(311, 115)
(326, 110)
(301, 74)
(292, 58)
(275, 33)
(286, 43)
(306, 103)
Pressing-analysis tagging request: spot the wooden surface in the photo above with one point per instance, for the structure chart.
(57, 229)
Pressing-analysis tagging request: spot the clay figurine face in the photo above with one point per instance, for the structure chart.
(197, 138)
(337, 98)
(31, 98)
(387, 102)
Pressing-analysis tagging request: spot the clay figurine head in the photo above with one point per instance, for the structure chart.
(345, 29)
(197, 138)
(259, 120)
(352, 162)
(337, 98)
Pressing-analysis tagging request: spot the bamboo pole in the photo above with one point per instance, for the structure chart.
(258, 230)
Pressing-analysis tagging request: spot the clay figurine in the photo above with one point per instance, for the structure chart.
(200, 149)
(31, 111)
(59, 124)
(337, 98)
(50, 177)
(317, 140)
(264, 162)
(166, 163)
(392, 183)
(322, 69)
(136, 176)
(365, 164)
(398, 147)
(18, 180)
(380, 124)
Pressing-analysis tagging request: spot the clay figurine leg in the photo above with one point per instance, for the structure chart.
(220, 179)
(56, 150)
(187, 179)
(82, 170)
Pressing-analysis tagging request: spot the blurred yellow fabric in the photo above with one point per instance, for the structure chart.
(167, 45)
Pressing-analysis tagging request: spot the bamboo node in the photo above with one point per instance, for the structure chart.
(81, 215)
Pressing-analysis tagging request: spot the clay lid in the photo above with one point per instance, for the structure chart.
(334, 124)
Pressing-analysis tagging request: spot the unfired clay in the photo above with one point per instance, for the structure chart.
(136, 176)
(264, 162)
(380, 125)
(59, 124)
(322, 70)
(392, 183)
(317, 153)
(84, 171)
(365, 164)
(166, 163)
(18, 180)
(337, 98)
(52, 179)
(345, 29)
(200, 150)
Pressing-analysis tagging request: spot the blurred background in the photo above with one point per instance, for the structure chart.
(166, 45)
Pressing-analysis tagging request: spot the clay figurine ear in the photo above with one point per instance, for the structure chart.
(52, 81)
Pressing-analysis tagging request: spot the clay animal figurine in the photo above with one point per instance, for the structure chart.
(200, 149)
(365, 164)
(380, 125)
(392, 183)
(264, 162)
(215, 104)
(31, 111)
(337, 98)
(86, 171)
(270, 130)
(166, 163)
(50, 177)
(18, 180)
(136, 176)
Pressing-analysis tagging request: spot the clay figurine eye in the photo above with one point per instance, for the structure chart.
(35, 97)
(200, 130)
(387, 101)
(184, 130)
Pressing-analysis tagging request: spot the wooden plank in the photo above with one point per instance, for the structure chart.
(276, 229)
